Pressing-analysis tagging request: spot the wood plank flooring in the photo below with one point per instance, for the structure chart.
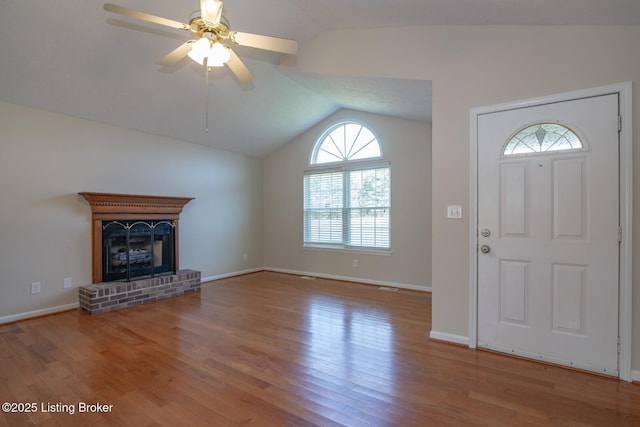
(271, 349)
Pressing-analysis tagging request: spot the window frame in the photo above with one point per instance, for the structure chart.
(317, 145)
(346, 167)
(582, 140)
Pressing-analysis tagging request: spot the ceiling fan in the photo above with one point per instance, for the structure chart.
(213, 35)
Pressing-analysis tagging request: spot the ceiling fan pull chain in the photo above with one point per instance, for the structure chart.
(206, 118)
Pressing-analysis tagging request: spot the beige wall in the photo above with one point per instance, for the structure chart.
(407, 145)
(472, 67)
(45, 232)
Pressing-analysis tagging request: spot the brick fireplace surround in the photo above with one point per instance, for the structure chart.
(106, 296)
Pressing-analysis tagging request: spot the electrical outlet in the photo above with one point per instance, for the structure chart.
(246, 257)
(355, 263)
(35, 288)
(67, 283)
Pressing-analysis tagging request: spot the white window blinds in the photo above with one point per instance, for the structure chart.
(348, 207)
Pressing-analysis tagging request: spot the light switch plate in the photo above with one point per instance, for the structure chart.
(35, 288)
(454, 211)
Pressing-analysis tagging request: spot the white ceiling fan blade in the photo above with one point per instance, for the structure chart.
(211, 11)
(275, 44)
(238, 68)
(177, 54)
(109, 7)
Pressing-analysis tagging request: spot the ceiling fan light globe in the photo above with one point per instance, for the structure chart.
(196, 57)
(200, 50)
(214, 63)
(218, 55)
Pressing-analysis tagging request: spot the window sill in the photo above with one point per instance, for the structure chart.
(331, 248)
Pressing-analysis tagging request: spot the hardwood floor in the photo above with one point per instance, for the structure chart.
(270, 349)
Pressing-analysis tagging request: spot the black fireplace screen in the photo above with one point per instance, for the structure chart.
(134, 249)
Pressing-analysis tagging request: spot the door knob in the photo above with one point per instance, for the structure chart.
(485, 232)
(485, 249)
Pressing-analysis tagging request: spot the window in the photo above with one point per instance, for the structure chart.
(347, 203)
(345, 141)
(542, 137)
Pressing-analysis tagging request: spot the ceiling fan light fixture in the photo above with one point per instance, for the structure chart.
(209, 27)
(219, 54)
(200, 50)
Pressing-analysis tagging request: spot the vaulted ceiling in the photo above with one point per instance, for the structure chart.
(74, 58)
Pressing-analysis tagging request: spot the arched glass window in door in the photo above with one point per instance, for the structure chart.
(541, 138)
(346, 141)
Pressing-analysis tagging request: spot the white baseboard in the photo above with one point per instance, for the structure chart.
(352, 279)
(37, 313)
(635, 376)
(451, 338)
(226, 275)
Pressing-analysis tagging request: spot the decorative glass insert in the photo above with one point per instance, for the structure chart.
(542, 137)
(346, 141)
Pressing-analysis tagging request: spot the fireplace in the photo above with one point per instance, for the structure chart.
(134, 236)
(134, 246)
(137, 248)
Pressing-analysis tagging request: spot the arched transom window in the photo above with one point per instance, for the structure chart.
(346, 141)
(542, 137)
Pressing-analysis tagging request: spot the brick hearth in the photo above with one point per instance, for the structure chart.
(107, 296)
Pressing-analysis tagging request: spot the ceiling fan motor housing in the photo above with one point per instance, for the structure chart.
(199, 27)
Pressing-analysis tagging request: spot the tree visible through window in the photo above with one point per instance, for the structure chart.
(348, 203)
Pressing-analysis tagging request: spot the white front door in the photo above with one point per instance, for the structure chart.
(548, 223)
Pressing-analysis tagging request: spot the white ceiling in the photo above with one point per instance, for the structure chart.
(72, 57)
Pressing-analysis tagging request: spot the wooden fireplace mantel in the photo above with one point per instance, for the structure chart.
(111, 203)
(112, 206)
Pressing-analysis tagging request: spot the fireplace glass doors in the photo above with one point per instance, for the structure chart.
(133, 249)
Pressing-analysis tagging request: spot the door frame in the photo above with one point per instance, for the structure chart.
(624, 91)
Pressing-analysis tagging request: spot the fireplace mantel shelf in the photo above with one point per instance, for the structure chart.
(112, 203)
